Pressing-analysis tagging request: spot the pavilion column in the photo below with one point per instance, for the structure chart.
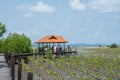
(39, 47)
(42, 47)
(58, 45)
(64, 47)
(49, 45)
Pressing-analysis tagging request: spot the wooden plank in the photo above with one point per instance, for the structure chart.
(4, 69)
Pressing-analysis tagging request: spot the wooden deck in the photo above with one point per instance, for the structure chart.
(4, 69)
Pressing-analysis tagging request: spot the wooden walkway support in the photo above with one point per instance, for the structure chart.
(12, 67)
(13, 70)
(19, 71)
(30, 76)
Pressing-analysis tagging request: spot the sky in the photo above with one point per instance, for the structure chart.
(78, 21)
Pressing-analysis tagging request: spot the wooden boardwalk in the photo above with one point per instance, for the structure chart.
(4, 69)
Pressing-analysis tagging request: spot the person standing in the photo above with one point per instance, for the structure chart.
(69, 48)
(55, 48)
(45, 49)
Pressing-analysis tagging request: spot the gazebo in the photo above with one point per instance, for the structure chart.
(50, 41)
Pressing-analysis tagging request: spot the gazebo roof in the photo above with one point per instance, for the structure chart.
(52, 39)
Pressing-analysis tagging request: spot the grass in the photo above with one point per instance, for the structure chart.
(99, 51)
(96, 63)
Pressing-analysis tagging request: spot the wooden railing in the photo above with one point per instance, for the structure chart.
(12, 59)
(22, 74)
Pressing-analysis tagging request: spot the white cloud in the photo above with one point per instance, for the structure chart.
(105, 5)
(28, 15)
(77, 5)
(40, 7)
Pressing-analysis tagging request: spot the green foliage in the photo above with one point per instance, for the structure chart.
(2, 29)
(27, 68)
(49, 55)
(90, 67)
(51, 72)
(16, 43)
(60, 78)
(113, 45)
(1, 45)
(43, 67)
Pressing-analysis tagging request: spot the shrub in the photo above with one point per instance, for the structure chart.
(113, 45)
(17, 43)
(1, 45)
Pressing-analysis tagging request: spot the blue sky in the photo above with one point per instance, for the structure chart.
(79, 21)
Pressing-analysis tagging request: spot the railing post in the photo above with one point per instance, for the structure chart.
(12, 67)
(34, 55)
(19, 70)
(30, 76)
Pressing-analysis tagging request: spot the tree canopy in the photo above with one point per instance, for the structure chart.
(1, 45)
(2, 29)
(17, 43)
(114, 45)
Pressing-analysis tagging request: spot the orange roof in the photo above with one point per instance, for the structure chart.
(52, 39)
